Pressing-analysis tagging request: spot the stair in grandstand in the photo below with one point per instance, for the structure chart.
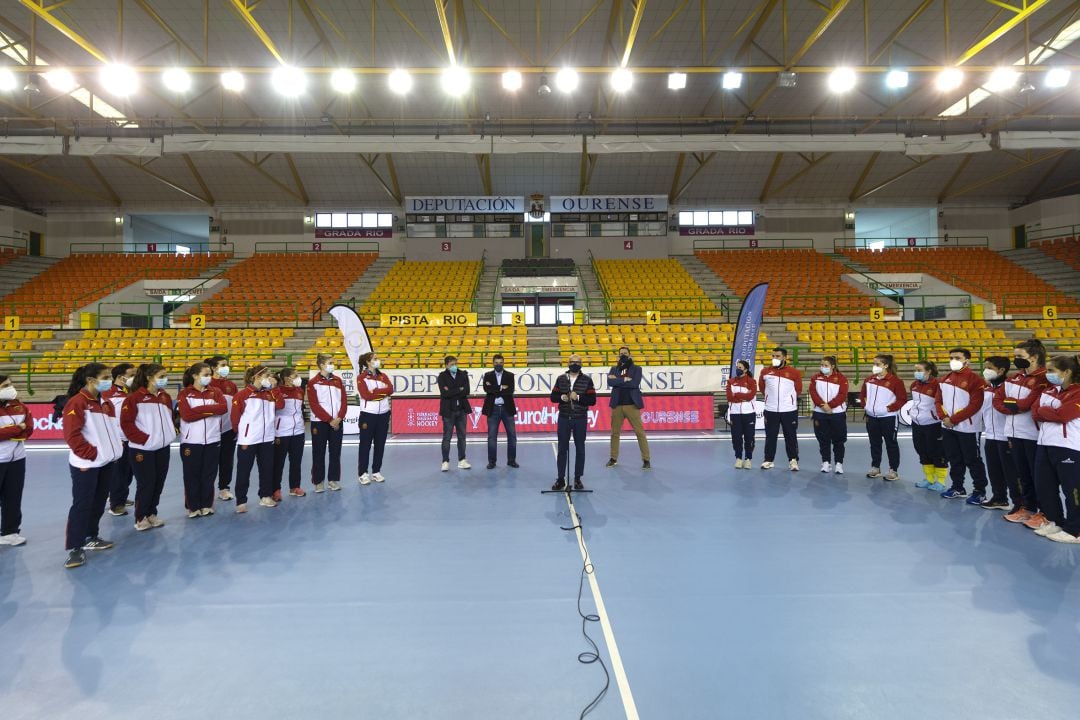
(21, 270)
(487, 305)
(592, 299)
(713, 285)
(543, 346)
(359, 291)
(1047, 267)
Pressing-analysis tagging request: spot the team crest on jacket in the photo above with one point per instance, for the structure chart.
(314, 431)
(139, 457)
(187, 452)
(363, 426)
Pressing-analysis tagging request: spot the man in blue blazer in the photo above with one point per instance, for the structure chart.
(626, 404)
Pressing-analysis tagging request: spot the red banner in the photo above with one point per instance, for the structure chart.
(716, 230)
(44, 427)
(354, 233)
(539, 414)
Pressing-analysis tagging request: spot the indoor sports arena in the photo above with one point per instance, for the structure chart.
(522, 359)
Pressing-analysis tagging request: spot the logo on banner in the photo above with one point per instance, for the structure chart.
(477, 413)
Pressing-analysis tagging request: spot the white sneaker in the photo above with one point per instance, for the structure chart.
(826, 467)
(1063, 537)
(320, 487)
(839, 469)
(365, 479)
(193, 514)
(378, 477)
(738, 463)
(267, 502)
(155, 521)
(143, 524)
(463, 465)
(874, 472)
(13, 539)
(445, 466)
(206, 511)
(334, 485)
(793, 465)
(748, 464)
(225, 494)
(892, 475)
(768, 465)
(1048, 529)
(241, 508)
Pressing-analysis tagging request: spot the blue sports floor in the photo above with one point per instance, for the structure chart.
(729, 594)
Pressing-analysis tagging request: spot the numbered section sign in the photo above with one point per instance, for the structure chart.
(11, 322)
(198, 322)
(652, 317)
(1050, 312)
(877, 313)
(517, 318)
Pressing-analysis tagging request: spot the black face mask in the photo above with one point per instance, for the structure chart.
(1021, 363)
(575, 367)
(498, 367)
(624, 359)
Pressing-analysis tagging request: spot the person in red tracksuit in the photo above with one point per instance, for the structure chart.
(219, 366)
(1057, 465)
(146, 418)
(1015, 399)
(741, 390)
(289, 432)
(254, 412)
(781, 385)
(960, 409)
(883, 394)
(16, 425)
(95, 446)
(326, 396)
(829, 391)
(123, 377)
(201, 406)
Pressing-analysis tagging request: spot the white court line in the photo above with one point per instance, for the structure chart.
(609, 636)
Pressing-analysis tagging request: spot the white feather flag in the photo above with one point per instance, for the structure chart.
(353, 333)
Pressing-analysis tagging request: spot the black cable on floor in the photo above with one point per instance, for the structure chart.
(593, 656)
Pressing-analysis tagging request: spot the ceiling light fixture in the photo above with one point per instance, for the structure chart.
(176, 79)
(343, 81)
(676, 81)
(61, 79)
(232, 81)
(842, 80)
(567, 80)
(400, 81)
(511, 80)
(119, 80)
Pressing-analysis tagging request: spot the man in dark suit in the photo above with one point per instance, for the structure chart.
(454, 410)
(499, 407)
(575, 393)
(626, 404)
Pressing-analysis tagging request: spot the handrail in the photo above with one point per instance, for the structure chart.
(316, 310)
(752, 242)
(61, 309)
(326, 246)
(20, 245)
(121, 248)
(983, 292)
(1043, 234)
(944, 241)
(1047, 298)
(803, 302)
(123, 282)
(706, 307)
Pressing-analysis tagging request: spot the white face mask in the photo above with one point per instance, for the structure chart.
(128, 381)
(330, 367)
(265, 383)
(296, 381)
(956, 365)
(376, 364)
(776, 362)
(223, 371)
(990, 375)
(204, 380)
(161, 383)
(878, 370)
(9, 393)
(826, 370)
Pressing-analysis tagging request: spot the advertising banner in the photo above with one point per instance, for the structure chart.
(608, 203)
(427, 320)
(539, 414)
(465, 204)
(44, 427)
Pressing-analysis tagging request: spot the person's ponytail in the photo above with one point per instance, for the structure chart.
(78, 381)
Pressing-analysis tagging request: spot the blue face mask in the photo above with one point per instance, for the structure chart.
(920, 375)
(452, 369)
(104, 385)
(162, 383)
(1055, 379)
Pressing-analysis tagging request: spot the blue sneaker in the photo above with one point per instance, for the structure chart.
(954, 494)
(922, 484)
(976, 499)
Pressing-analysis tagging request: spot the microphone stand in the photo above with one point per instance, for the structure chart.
(570, 457)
